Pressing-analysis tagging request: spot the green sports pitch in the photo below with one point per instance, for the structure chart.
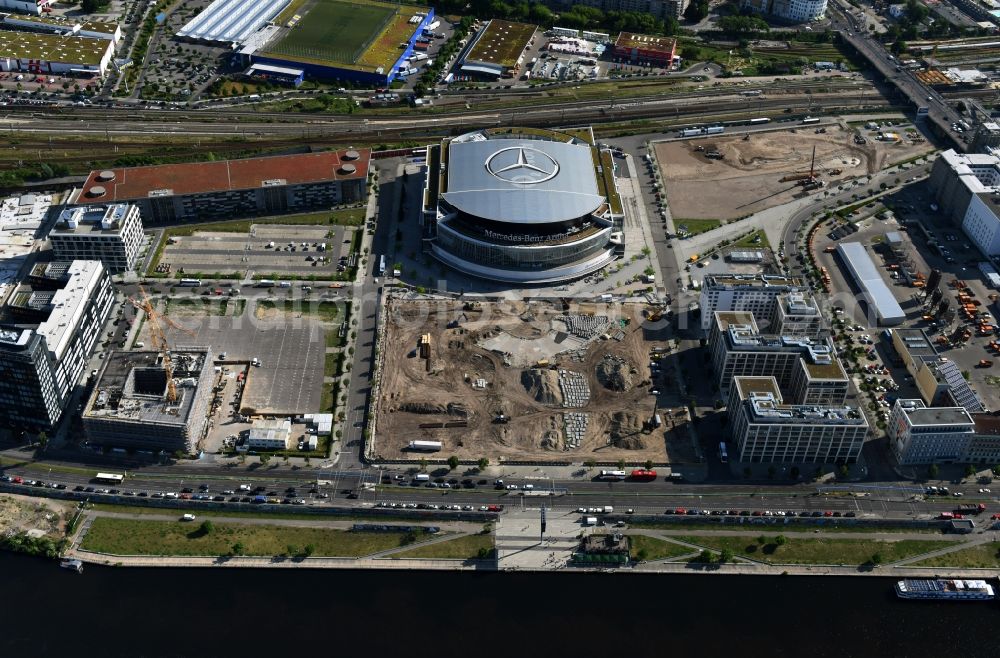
(335, 31)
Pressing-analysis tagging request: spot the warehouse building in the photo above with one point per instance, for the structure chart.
(497, 50)
(765, 430)
(967, 185)
(62, 26)
(225, 189)
(111, 234)
(48, 329)
(131, 406)
(231, 21)
(753, 293)
(874, 291)
(522, 205)
(25, 6)
(44, 54)
(645, 50)
(929, 435)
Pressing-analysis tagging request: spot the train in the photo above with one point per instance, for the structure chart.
(695, 132)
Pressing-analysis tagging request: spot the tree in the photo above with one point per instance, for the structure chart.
(970, 470)
(238, 548)
(642, 555)
(264, 458)
(876, 559)
(291, 549)
(780, 540)
(43, 440)
(452, 462)
(649, 464)
(932, 471)
(705, 556)
(621, 464)
(899, 46)
(206, 528)
(843, 472)
(725, 555)
(696, 11)
(590, 463)
(423, 464)
(308, 550)
(483, 463)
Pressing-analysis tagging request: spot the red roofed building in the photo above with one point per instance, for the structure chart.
(645, 50)
(233, 188)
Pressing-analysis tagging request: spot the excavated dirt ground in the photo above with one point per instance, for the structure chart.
(534, 431)
(747, 179)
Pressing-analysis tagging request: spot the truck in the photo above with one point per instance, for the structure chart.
(425, 446)
(285, 284)
(643, 475)
(691, 132)
(590, 520)
(266, 283)
(421, 477)
(607, 509)
(809, 120)
(419, 57)
(970, 508)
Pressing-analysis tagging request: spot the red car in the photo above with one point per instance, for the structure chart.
(18, 480)
(680, 510)
(495, 508)
(995, 517)
(828, 513)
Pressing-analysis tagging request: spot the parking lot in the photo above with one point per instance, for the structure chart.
(279, 249)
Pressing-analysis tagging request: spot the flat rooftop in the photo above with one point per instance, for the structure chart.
(91, 220)
(921, 415)
(751, 281)
(768, 409)
(633, 41)
(104, 27)
(917, 343)
(501, 43)
(53, 48)
(831, 370)
(133, 387)
(747, 385)
(867, 277)
(127, 183)
(725, 319)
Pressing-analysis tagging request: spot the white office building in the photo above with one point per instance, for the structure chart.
(765, 430)
(926, 435)
(111, 234)
(794, 11)
(752, 293)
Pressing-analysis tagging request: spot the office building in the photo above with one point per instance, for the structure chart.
(739, 350)
(765, 430)
(967, 186)
(522, 205)
(938, 379)
(987, 138)
(111, 234)
(48, 329)
(796, 314)
(819, 382)
(224, 189)
(139, 402)
(792, 11)
(753, 293)
(645, 50)
(984, 446)
(928, 435)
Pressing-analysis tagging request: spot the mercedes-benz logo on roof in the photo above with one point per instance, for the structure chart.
(522, 164)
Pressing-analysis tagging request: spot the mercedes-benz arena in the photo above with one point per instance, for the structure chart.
(522, 205)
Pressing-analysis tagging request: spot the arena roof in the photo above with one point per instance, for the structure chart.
(202, 177)
(866, 275)
(522, 181)
(231, 21)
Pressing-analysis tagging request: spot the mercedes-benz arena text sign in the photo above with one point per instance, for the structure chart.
(522, 165)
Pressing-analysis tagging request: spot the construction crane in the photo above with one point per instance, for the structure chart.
(159, 339)
(809, 176)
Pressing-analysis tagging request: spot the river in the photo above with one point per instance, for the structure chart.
(210, 613)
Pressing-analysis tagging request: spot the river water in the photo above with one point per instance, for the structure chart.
(209, 613)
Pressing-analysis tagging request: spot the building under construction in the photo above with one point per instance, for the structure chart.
(136, 404)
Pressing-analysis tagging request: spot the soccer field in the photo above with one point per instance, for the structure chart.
(334, 30)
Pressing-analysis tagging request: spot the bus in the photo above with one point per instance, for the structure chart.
(723, 453)
(266, 283)
(759, 120)
(110, 478)
(811, 120)
(190, 282)
(381, 265)
(612, 475)
(755, 92)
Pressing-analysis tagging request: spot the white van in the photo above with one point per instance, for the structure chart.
(187, 517)
(244, 487)
(421, 477)
(140, 345)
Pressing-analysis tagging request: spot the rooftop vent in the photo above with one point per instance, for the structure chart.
(347, 168)
(96, 191)
(351, 155)
(106, 176)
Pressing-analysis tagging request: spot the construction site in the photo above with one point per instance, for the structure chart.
(535, 381)
(733, 175)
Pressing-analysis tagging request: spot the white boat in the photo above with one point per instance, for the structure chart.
(75, 565)
(944, 589)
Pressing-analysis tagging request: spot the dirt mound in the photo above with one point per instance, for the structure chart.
(450, 409)
(625, 431)
(615, 373)
(551, 441)
(542, 385)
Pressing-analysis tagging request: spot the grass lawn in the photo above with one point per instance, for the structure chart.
(325, 311)
(751, 241)
(655, 549)
(175, 512)
(818, 551)
(460, 548)
(696, 226)
(330, 364)
(334, 31)
(332, 337)
(984, 556)
(141, 537)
